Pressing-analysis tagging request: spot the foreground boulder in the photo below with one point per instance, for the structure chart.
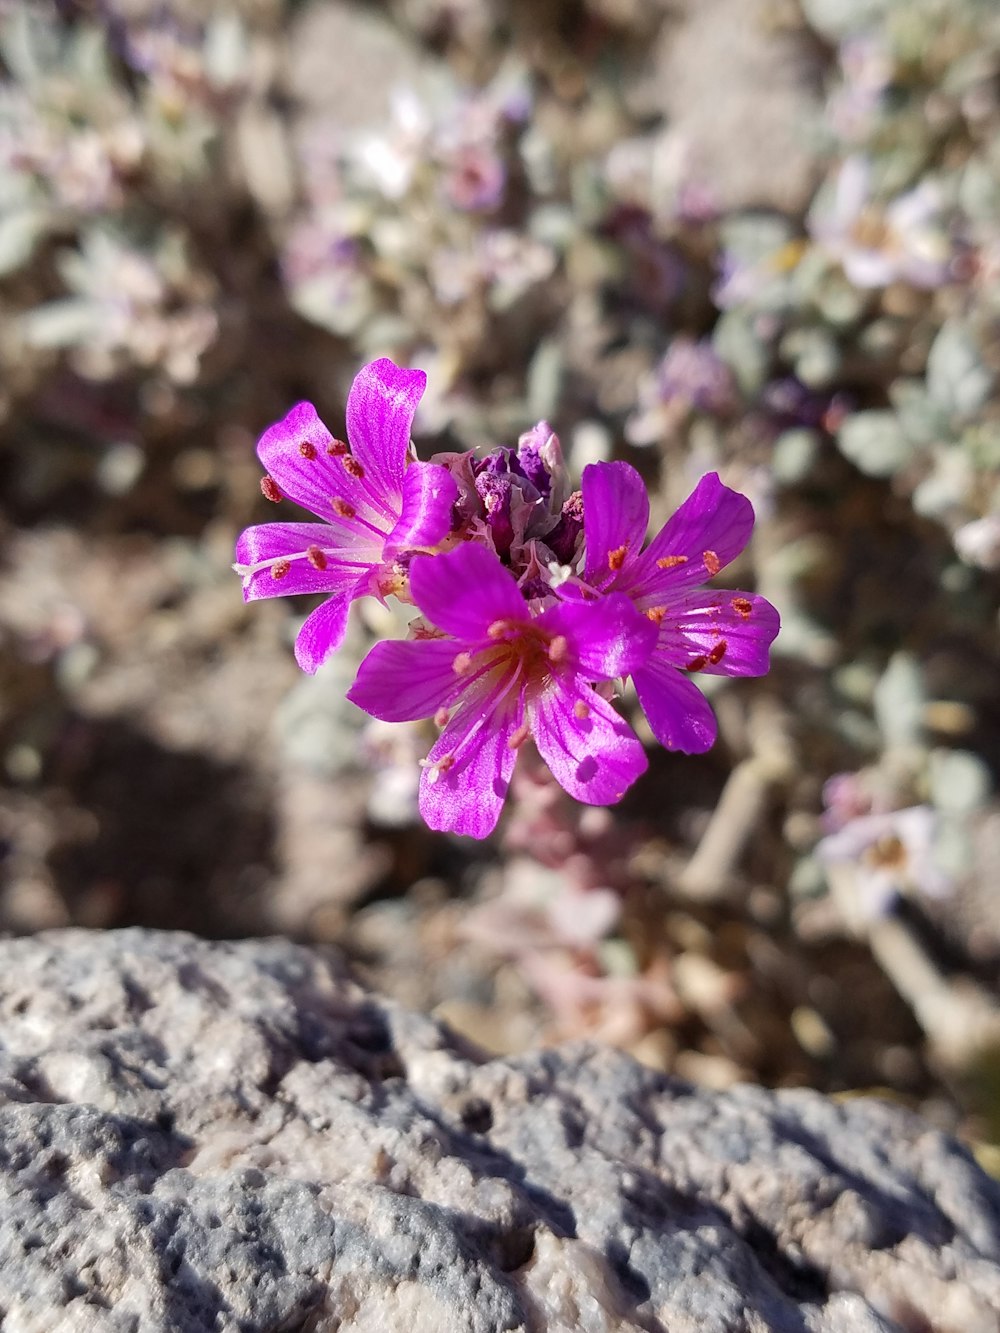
(204, 1136)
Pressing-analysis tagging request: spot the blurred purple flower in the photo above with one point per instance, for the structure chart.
(501, 677)
(699, 629)
(691, 377)
(376, 505)
(867, 70)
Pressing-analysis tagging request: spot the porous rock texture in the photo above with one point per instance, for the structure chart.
(236, 1136)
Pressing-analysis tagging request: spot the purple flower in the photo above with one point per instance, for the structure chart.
(376, 505)
(501, 677)
(699, 629)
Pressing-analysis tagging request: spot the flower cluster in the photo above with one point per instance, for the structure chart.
(533, 600)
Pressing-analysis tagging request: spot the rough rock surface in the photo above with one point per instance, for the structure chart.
(742, 95)
(237, 1137)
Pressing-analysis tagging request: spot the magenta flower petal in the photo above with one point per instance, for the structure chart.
(720, 633)
(592, 752)
(465, 591)
(322, 633)
(609, 638)
(709, 530)
(294, 453)
(678, 713)
(405, 681)
(277, 559)
(380, 411)
(429, 496)
(466, 794)
(615, 517)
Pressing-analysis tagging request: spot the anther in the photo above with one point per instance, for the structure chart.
(581, 710)
(316, 557)
(671, 561)
(742, 606)
(712, 562)
(441, 718)
(558, 649)
(518, 737)
(462, 664)
(616, 558)
(718, 652)
(498, 629)
(341, 507)
(270, 489)
(438, 766)
(307, 449)
(352, 467)
(656, 614)
(280, 568)
(336, 448)
(696, 664)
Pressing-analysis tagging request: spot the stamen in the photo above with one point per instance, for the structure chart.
(656, 614)
(438, 766)
(498, 629)
(518, 737)
(718, 652)
(696, 664)
(270, 489)
(316, 557)
(336, 448)
(671, 561)
(307, 449)
(558, 649)
(352, 467)
(462, 664)
(280, 568)
(341, 507)
(441, 718)
(616, 558)
(742, 606)
(712, 562)
(581, 710)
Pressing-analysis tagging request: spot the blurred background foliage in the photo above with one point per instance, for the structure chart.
(758, 236)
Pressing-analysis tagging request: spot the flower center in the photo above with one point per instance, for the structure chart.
(529, 651)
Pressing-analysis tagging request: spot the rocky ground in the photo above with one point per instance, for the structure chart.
(164, 764)
(237, 1136)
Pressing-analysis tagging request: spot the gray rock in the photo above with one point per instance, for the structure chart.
(744, 98)
(235, 1136)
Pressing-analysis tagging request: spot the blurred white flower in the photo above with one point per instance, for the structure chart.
(978, 542)
(874, 859)
(904, 240)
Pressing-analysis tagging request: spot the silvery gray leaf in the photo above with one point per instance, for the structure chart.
(875, 442)
(957, 380)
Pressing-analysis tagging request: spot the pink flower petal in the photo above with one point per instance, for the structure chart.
(295, 453)
(676, 710)
(380, 410)
(405, 681)
(616, 516)
(724, 633)
(709, 530)
(607, 638)
(430, 493)
(322, 633)
(296, 558)
(467, 797)
(464, 591)
(592, 752)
